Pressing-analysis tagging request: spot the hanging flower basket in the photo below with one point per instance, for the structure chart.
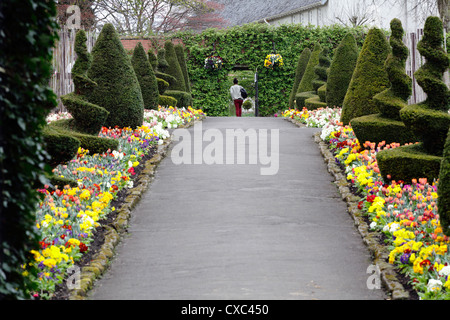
(273, 60)
(213, 63)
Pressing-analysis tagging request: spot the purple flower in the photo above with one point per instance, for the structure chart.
(405, 258)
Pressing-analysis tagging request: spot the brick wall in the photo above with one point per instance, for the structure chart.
(130, 44)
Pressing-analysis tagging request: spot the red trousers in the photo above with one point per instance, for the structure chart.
(238, 105)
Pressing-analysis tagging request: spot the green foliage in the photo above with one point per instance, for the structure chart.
(26, 38)
(166, 77)
(184, 99)
(174, 68)
(179, 50)
(87, 117)
(322, 93)
(386, 126)
(300, 98)
(299, 71)
(314, 103)
(443, 202)
(248, 45)
(429, 121)
(408, 162)
(146, 77)
(306, 84)
(377, 128)
(94, 144)
(369, 77)
(167, 101)
(162, 62)
(321, 69)
(341, 70)
(247, 104)
(61, 147)
(162, 85)
(117, 87)
(428, 125)
(153, 60)
(84, 59)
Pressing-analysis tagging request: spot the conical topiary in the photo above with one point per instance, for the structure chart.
(429, 120)
(84, 59)
(117, 89)
(341, 70)
(146, 77)
(386, 126)
(299, 71)
(179, 50)
(162, 62)
(64, 137)
(305, 88)
(320, 84)
(321, 69)
(153, 60)
(174, 68)
(368, 79)
(306, 84)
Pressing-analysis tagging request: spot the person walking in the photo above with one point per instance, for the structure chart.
(236, 96)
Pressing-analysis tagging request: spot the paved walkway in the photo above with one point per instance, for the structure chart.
(219, 232)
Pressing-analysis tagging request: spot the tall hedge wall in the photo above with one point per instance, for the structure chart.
(248, 45)
(26, 38)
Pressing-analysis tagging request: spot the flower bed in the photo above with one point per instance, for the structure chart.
(68, 216)
(319, 118)
(406, 215)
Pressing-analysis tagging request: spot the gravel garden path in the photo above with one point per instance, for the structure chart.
(226, 231)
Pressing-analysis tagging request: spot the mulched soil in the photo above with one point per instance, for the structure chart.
(61, 292)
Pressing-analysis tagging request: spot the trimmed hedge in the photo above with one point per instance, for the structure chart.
(341, 70)
(314, 103)
(301, 97)
(174, 68)
(306, 84)
(299, 71)
(166, 77)
(184, 99)
(61, 147)
(428, 125)
(167, 101)
(146, 77)
(386, 126)
(117, 89)
(408, 162)
(443, 201)
(429, 121)
(321, 69)
(368, 79)
(162, 62)
(87, 117)
(94, 144)
(179, 50)
(377, 128)
(163, 85)
(84, 59)
(153, 60)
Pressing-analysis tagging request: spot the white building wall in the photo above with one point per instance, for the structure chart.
(412, 13)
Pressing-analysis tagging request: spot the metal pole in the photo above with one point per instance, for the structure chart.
(256, 94)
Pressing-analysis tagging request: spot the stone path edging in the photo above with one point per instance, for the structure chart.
(100, 262)
(380, 252)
